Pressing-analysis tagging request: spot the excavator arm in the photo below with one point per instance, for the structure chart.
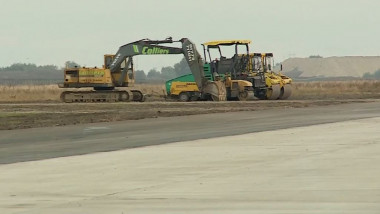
(216, 89)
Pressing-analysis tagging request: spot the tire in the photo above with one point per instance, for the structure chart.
(243, 96)
(183, 97)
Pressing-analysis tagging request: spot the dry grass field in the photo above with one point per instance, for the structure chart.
(301, 91)
(336, 90)
(29, 93)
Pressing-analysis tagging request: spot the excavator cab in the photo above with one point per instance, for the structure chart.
(108, 58)
(125, 79)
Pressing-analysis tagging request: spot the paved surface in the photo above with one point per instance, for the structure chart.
(43, 143)
(328, 168)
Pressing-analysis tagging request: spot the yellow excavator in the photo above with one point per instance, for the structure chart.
(278, 85)
(118, 71)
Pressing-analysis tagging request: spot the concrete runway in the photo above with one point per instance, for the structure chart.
(326, 168)
(43, 143)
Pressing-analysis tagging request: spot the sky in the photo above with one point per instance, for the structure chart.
(48, 32)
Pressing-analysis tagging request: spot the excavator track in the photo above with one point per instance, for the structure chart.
(137, 96)
(286, 91)
(102, 96)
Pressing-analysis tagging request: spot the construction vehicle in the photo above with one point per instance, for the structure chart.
(256, 68)
(233, 71)
(236, 68)
(102, 80)
(183, 88)
(278, 85)
(220, 68)
(118, 71)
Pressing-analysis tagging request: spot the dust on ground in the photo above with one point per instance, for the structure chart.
(31, 115)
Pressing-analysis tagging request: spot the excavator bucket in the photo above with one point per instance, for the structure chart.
(217, 90)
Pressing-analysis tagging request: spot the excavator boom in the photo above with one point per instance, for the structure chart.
(141, 47)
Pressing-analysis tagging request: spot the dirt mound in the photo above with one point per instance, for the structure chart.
(349, 66)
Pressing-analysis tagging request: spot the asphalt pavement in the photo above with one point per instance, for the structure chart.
(319, 169)
(51, 142)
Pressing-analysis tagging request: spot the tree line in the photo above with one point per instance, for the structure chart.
(375, 75)
(24, 70)
(29, 67)
(166, 73)
(21, 71)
